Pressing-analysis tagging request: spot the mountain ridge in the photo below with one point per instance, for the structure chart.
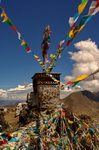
(83, 102)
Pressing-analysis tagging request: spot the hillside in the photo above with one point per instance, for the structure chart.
(83, 102)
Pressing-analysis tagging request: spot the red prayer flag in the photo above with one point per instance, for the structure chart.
(97, 4)
(13, 28)
(68, 42)
(28, 49)
(49, 32)
(70, 82)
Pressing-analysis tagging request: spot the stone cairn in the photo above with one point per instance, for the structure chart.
(45, 97)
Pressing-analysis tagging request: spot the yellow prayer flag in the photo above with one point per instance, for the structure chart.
(52, 56)
(3, 14)
(81, 7)
(5, 18)
(70, 122)
(35, 56)
(40, 62)
(23, 42)
(71, 34)
(48, 27)
(81, 77)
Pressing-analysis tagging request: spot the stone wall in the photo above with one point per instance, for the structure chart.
(32, 99)
(45, 94)
(48, 97)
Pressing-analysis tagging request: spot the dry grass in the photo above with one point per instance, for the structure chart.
(11, 120)
(9, 117)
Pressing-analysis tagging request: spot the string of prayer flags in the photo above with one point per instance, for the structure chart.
(86, 76)
(55, 80)
(85, 19)
(25, 46)
(81, 7)
(45, 43)
(23, 42)
(72, 20)
(93, 9)
(54, 59)
(74, 30)
(38, 59)
(8, 21)
(83, 77)
(49, 69)
(77, 80)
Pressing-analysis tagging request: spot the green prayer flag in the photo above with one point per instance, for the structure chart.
(84, 1)
(9, 22)
(75, 83)
(25, 45)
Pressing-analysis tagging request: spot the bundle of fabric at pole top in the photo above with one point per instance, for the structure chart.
(61, 130)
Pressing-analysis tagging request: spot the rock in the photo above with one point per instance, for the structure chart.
(27, 115)
(3, 123)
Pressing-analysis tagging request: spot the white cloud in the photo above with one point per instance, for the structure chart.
(87, 58)
(18, 93)
(86, 61)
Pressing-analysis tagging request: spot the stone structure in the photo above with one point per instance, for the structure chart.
(46, 95)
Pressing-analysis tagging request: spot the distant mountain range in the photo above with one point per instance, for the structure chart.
(83, 102)
(9, 102)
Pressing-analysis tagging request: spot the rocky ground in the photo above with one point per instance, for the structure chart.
(8, 121)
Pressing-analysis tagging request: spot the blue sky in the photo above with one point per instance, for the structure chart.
(30, 18)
